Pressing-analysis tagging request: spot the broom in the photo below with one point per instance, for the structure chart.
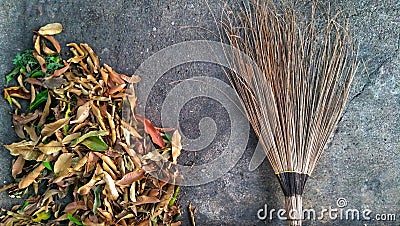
(293, 83)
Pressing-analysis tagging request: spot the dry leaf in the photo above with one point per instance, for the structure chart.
(72, 207)
(176, 146)
(33, 81)
(36, 41)
(51, 147)
(145, 200)
(166, 197)
(63, 162)
(71, 137)
(61, 71)
(79, 165)
(51, 128)
(24, 148)
(97, 114)
(54, 42)
(41, 60)
(131, 177)
(111, 186)
(130, 129)
(29, 178)
(50, 29)
(47, 50)
(93, 56)
(16, 91)
(23, 120)
(107, 160)
(82, 113)
(17, 166)
(32, 133)
(46, 111)
(115, 77)
(53, 83)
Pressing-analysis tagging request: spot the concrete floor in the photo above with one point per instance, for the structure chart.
(360, 164)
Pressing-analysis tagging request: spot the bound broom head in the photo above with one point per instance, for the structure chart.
(293, 86)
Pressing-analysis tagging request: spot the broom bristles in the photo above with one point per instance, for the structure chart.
(295, 93)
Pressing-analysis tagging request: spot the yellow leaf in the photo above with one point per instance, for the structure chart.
(50, 29)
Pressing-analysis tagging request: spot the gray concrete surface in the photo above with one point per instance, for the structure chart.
(361, 164)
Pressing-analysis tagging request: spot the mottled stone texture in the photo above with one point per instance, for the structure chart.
(360, 164)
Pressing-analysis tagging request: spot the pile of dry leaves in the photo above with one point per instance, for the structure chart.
(79, 161)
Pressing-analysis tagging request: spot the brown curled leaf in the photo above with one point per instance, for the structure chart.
(53, 82)
(176, 146)
(23, 120)
(54, 42)
(41, 60)
(36, 43)
(115, 77)
(131, 177)
(33, 81)
(61, 71)
(47, 50)
(16, 91)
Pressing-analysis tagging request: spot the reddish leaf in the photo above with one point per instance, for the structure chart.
(154, 133)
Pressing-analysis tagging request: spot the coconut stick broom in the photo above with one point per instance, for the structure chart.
(293, 86)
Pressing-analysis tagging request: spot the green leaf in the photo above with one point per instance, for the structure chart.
(90, 134)
(25, 58)
(53, 63)
(35, 74)
(73, 219)
(26, 203)
(40, 98)
(11, 75)
(173, 199)
(66, 127)
(168, 137)
(9, 100)
(97, 200)
(48, 166)
(95, 144)
(44, 215)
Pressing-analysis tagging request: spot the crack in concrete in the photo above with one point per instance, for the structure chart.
(369, 75)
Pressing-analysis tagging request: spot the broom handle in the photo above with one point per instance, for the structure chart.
(294, 210)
